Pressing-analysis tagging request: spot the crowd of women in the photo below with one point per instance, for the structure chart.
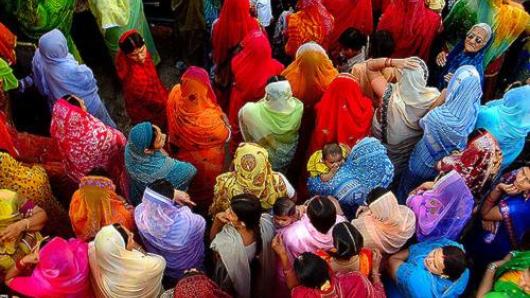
(323, 148)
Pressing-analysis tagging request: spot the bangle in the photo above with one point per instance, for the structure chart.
(492, 267)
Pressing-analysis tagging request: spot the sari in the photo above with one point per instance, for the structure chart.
(508, 120)
(351, 284)
(144, 168)
(366, 168)
(85, 142)
(415, 281)
(443, 211)
(252, 68)
(144, 94)
(311, 22)
(56, 74)
(412, 25)
(62, 271)
(348, 13)
(115, 17)
(252, 173)
(8, 42)
(273, 123)
(118, 272)
(196, 284)
(445, 129)
(234, 271)
(506, 277)
(9, 81)
(197, 128)
(386, 225)
(171, 231)
(96, 204)
(192, 30)
(362, 262)
(396, 121)
(343, 115)
(478, 163)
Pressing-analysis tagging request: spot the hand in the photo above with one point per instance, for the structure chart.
(182, 198)
(423, 187)
(376, 260)
(509, 189)
(334, 168)
(489, 226)
(31, 259)
(448, 77)
(441, 59)
(13, 231)
(278, 246)
(408, 63)
(222, 217)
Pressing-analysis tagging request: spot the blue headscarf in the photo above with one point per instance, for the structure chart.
(458, 57)
(56, 73)
(508, 120)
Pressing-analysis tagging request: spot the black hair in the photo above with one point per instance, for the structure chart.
(381, 44)
(72, 100)
(275, 79)
(131, 43)
(284, 207)
(163, 187)
(353, 39)
(247, 207)
(98, 171)
(455, 262)
(331, 149)
(322, 213)
(122, 232)
(347, 241)
(525, 241)
(375, 194)
(311, 270)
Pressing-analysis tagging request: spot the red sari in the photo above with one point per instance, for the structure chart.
(344, 114)
(144, 95)
(350, 13)
(252, 68)
(412, 25)
(351, 284)
(8, 41)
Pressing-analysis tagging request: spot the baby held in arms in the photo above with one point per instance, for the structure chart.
(326, 162)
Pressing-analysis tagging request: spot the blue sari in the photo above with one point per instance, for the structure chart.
(414, 280)
(366, 168)
(445, 129)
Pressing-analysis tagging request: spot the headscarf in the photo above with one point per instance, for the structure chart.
(9, 81)
(56, 74)
(444, 210)
(310, 73)
(118, 272)
(504, 287)
(349, 14)
(95, 204)
(508, 120)
(6, 140)
(458, 56)
(172, 231)
(198, 285)
(252, 173)
(478, 164)
(230, 28)
(273, 123)
(386, 225)
(85, 142)
(311, 22)
(8, 42)
(343, 115)
(62, 271)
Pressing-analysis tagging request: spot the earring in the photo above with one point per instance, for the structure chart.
(444, 276)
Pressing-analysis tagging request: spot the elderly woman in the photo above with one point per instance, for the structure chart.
(146, 162)
(273, 122)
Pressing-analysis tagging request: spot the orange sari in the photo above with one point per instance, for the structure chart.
(197, 127)
(8, 41)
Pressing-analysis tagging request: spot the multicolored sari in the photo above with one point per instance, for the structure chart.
(506, 284)
(197, 128)
(8, 42)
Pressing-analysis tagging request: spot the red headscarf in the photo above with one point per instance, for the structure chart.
(233, 24)
(144, 95)
(412, 25)
(8, 41)
(6, 141)
(344, 114)
(350, 13)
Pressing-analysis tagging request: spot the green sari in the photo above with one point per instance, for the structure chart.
(504, 288)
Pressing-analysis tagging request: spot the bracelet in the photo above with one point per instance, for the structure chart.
(492, 267)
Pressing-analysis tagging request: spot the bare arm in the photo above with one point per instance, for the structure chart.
(395, 261)
(489, 276)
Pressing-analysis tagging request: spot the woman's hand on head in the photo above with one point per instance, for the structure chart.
(509, 189)
(376, 260)
(13, 231)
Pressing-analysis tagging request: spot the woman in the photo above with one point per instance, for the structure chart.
(469, 51)
(84, 141)
(478, 163)
(115, 17)
(412, 25)
(199, 130)
(349, 14)
(61, 270)
(311, 22)
(384, 224)
(251, 67)
(252, 174)
(146, 162)
(508, 120)
(343, 115)
(442, 210)
(366, 168)
(20, 223)
(144, 94)
(273, 122)
(8, 42)
(445, 129)
(509, 277)
(96, 204)
(402, 105)
(55, 73)
(241, 241)
(119, 267)
(433, 268)
(195, 284)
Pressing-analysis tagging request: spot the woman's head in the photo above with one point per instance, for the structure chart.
(75, 101)
(346, 240)
(322, 213)
(278, 88)
(98, 171)
(522, 179)
(245, 210)
(163, 187)
(133, 46)
(311, 270)
(448, 262)
(53, 45)
(477, 37)
(381, 44)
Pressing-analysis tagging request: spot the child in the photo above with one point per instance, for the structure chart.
(326, 162)
(352, 49)
(286, 212)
